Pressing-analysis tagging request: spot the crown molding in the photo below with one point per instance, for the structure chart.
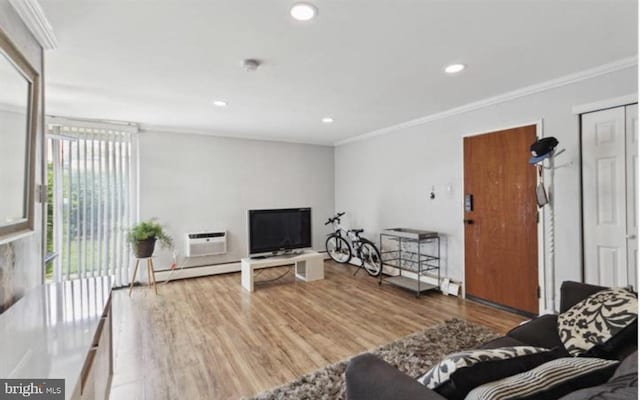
(607, 103)
(147, 128)
(33, 16)
(501, 98)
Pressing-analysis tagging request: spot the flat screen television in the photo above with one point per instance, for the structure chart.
(279, 230)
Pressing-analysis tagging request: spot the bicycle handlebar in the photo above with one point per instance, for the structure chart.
(331, 220)
(337, 217)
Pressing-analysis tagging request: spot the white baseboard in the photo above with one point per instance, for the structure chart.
(447, 285)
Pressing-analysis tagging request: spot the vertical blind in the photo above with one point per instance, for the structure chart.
(94, 187)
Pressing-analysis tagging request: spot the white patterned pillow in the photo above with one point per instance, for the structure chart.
(442, 371)
(596, 319)
(559, 375)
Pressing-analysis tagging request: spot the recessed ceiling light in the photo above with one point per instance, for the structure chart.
(303, 11)
(327, 120)
(454, 68)
(220, 103)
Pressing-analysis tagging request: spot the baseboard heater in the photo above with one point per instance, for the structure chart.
(197, 271)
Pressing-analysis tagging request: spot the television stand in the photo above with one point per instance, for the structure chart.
(286, 254)
(308, 266)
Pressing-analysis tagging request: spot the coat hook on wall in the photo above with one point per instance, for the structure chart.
(565, 165)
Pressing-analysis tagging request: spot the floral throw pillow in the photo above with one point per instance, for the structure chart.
(596, 319)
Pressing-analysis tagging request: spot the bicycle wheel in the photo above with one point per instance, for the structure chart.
(338, 249)
(370, 256)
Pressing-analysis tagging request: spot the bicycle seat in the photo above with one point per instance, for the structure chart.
(356, 231)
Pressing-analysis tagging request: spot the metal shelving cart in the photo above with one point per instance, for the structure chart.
(408, 255)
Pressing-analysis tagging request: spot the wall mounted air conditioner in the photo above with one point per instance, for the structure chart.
(206, 243)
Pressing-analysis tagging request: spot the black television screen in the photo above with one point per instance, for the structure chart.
(280, 229)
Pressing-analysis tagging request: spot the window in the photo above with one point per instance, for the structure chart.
(91, 173)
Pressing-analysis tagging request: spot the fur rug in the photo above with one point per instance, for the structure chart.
(413, 355)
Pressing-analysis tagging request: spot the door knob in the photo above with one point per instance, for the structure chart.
(631, 236)
(468, 221)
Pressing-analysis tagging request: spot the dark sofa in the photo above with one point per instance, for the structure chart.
(370, 378)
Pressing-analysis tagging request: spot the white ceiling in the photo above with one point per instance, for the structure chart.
(367, 63)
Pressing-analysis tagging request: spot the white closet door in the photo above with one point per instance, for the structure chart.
(632, 194)
(604, 197)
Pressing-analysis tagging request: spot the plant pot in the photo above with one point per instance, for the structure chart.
(144, 248)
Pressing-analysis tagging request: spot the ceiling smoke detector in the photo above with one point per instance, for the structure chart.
(250, 64)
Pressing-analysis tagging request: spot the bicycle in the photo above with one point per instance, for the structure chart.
(342, 243)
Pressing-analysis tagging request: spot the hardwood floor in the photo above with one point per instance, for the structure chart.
(208, 338)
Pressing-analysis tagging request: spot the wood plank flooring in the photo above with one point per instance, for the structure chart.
(207, 338)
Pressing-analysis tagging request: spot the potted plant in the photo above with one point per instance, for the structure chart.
(143, 237)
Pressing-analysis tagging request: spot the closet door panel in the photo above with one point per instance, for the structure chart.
(632, 193)
(604, 197)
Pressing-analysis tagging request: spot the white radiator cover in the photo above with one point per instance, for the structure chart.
(200, 244)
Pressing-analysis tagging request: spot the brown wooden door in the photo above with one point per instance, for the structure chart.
(501, 240)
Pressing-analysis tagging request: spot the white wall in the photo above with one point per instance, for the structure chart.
(196, 182)
(385, 181)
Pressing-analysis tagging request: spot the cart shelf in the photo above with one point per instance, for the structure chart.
(417, 262)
